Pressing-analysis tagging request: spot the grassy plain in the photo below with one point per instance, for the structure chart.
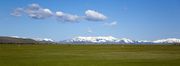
(89, 55)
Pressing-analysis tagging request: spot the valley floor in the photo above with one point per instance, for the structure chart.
(89, 55)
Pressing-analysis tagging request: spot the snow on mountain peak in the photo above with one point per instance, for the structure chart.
(47, 39)
(101, 39)
(169, 40)
(94, 39)
(43, 39)
(110, 39)
(126, 40)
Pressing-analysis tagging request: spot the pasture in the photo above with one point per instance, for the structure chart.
(89, 55)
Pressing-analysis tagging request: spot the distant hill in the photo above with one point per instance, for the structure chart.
(9, 40)
(14, 40)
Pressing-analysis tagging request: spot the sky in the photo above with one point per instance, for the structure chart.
(65, 19)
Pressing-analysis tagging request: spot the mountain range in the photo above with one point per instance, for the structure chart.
(87, 40)
(113, 40)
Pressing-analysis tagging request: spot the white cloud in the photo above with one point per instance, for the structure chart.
(92, 15)
(67, 17)
(17, 12)
(37, 12)
(114, 23)
(34, 11)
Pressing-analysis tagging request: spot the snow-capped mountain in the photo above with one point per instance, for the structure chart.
(99, 39)
(94, 39)
(113, 40)
(44, 39)
(106, 40)
(169, 40)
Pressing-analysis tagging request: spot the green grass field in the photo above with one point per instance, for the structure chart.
(89, 55)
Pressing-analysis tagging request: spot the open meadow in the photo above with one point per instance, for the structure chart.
(89, 55)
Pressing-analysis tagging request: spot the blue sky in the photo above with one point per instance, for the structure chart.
(134, 19)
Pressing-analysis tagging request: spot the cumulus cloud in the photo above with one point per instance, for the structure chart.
(37, 12)
(92, 15)
(17, 12)
(34, 11)
(67, 17)
(114, 23)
